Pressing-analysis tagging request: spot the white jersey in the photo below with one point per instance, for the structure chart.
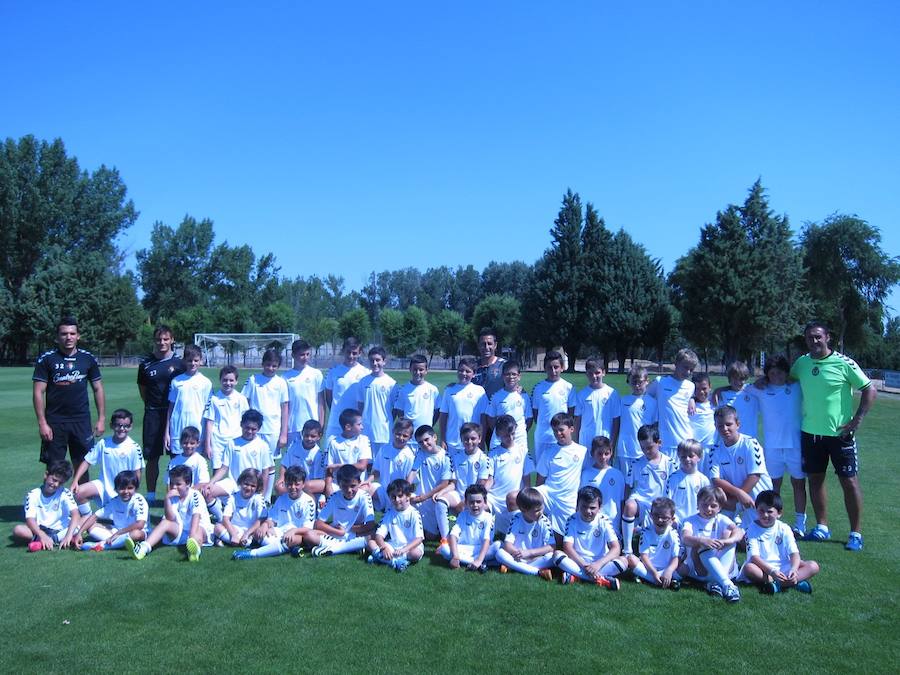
(735, 463)
(591, 540)
(416, 403)
(110, 458)
(660, 548)
(704, 425)
(747, 405)
(549, 398)
(431, 468)
(636, 412)
(338, 380)
(53, 512)
(469, 469)
(267, 395)
(507, 466)
(648, 479)
(611, 483)
(401, 527)
(561, 469)
(342, 450)
(197, 464)
(597, 409)
(242, 454)
(462, 404)
(515, 404)
(312, 460)
(781, 409)
(472, 530)
(225, 414)
(193, 504)
(682, 488)
(188, 395)
(716, 527)
(392, 463)
(672, 398)
(374, 396)
(304, 387)
(774, 545)
(243, 513)
(122, 514)
(525, 534)
(345, 513)
(289, 513)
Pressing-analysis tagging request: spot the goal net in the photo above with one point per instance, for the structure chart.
(245, 349)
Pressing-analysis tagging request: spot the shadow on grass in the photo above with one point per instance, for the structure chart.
(12, 514)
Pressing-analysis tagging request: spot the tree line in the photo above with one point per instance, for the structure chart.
(746, 286)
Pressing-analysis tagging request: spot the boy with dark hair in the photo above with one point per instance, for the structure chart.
(51, 515)
(188, 395)
(417, 400)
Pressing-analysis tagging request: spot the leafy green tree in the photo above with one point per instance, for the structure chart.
(47, 202)
(743, 283)
(438, 284)
(503, 313)
(415, 325)
(119, 313)
(277, 317)
(390, 322)
(355, 323)
(403, 332)
(507, 278)
(190, 320)
(234, 276)
(321, 331)
(466, 291)
(849, 277)
(447, 332)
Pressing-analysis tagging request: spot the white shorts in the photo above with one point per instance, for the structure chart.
(228, 484)
(780, 459)
(181, 537)
(466, 553)
(783, 567)
(429, 518)
(556, 510)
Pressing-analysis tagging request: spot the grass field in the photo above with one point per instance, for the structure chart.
(72, 611)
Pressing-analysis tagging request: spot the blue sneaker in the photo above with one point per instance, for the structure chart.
(854, 542)
(770, 588)
(732, 594)
(297, 552)
(567, 578)
(818, 533)
(400, 564)
(804, 586)
(241, 554)
(376, 557)
(714, 590)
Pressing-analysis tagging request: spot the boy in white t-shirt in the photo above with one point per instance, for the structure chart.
(222, 416)
(591, 551)
(469, 542)
(647, 481)
(606, 478)
(549, 397)
(673, 394)
(737, 464)
(528, 545)
(393, 460)
(773, 559)
(188, 395)
(512, 401)
(111, 456)
(244, 511)
(471, 466)
(288, 520)
(702, 421)
(638, 410)
(190, 443)
(267, 392)
(598, 407)
(398, 541)
(306, 392)
(373, 400)
(660, 548)
(125, 515)
(507, 467)
(305, 453)
(186, 521)
(780, 403)
(346, 521)
(51, 514)
(685, 484)
(340, 382)
(350, 447)
(432, 474)
(462, 402)
(417, 400)
(739, 395)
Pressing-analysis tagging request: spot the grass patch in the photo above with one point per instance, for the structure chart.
(331, 615)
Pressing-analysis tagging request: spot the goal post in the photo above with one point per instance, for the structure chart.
(243, 348)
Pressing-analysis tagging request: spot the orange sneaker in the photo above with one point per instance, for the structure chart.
(547, 575)
(610, 583)
(504, 569)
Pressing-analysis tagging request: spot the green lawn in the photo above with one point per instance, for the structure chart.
(71, 611)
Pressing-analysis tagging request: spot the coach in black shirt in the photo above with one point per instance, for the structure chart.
(60, 397)
(155, 373)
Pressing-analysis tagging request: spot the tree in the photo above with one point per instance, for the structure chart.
(355, 323)
(507, 278)
(447, 332)
(48, 203)
(438, 284)
(595, 289)
(415, 325)
(742, 285)
(119, 313)
(503, 313)
(390, 322)
(403, 332)
(848, 276)
(321, 331)
(277, 317)
(466, 291)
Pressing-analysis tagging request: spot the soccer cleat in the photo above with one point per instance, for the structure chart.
(732, 594)
(400, 564)
(854, 542)
(503, 569)
(297, 552)
(193, 550)
(34, 546)
(321, 550)
(675, 585)
(546, 575)
(770, 588)
(609, 583)
(482, 568)
(798, 532)
(567, 578)
(139, 551)
(99, 547)
(804, 586)
(241, 554)
(376, 557)
(714, 589)
(818, 533)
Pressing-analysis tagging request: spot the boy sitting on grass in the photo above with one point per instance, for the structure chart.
(51, 515)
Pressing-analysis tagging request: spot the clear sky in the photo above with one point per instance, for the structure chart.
(352, 137)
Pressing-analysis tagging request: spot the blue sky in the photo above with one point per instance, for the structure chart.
(355, 137)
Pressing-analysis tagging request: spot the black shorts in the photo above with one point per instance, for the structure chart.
(154, 430)
(841, 450)
(75, 437)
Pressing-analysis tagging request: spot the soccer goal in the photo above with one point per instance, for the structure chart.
(245, 349)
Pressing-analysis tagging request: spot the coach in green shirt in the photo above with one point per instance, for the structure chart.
(828, 430)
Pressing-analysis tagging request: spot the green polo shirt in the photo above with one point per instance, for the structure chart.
(828, 385)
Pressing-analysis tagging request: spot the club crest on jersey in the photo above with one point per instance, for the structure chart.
(740, 460)
(746, 397)
(779, 539)
(787, 389)
(597, 532)
(481, 525)
(665, 544)
(815, 370)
